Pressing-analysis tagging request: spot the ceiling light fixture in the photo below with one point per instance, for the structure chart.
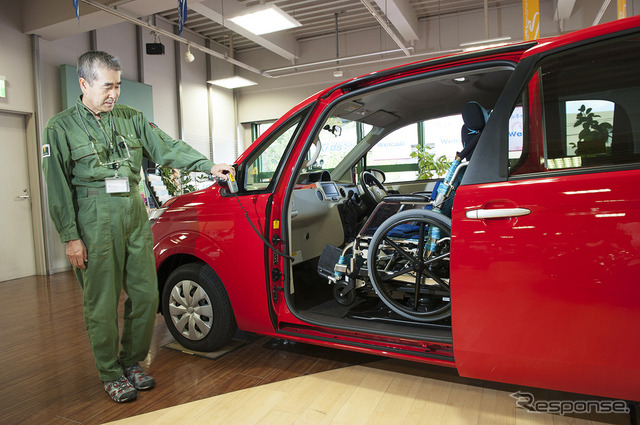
(232, 82)
(264, 19)
(483, 44)
(188, 56)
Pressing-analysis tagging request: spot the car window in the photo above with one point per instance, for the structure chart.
(392, 155)
(587, 104)
(434, 138)
(338, 138)
(266, 161)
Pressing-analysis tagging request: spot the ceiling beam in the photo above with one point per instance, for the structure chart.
(603, 8)
(385, 25)
(172, 36)
(564, 9)
(402, 17)
(54, 19)
(281, 43)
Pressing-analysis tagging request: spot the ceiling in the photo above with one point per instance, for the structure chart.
(318, 18)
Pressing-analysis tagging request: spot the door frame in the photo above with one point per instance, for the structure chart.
(34, 170)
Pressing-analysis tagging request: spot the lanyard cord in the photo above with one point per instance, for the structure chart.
(109, 140)
(113, 164)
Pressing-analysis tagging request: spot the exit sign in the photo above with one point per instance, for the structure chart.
(3, 92)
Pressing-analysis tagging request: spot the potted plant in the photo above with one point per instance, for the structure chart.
(429, 166)
(594, 135)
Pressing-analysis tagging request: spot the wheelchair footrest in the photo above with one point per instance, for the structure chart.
(328, 260)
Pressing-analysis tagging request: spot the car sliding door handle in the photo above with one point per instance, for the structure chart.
(497, 213)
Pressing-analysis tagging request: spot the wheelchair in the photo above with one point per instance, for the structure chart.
(402, 253)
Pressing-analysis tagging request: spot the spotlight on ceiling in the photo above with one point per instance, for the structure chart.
(188, 56)
(264, 19)
(232, 82)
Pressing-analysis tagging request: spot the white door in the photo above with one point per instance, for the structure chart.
(17, 254)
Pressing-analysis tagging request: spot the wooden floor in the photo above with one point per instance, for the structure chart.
(47, 376)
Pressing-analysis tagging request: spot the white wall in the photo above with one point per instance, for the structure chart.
(120, 40)
(15, 60)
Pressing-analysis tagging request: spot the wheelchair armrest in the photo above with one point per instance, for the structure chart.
(407, 199)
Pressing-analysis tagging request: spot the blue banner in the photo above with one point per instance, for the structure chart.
(182, 15)
(76, 6)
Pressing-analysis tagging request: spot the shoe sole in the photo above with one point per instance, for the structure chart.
(144, 387)
(125, 399)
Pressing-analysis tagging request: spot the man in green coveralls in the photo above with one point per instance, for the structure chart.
(92, 154)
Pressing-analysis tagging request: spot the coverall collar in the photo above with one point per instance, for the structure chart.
(87, 113)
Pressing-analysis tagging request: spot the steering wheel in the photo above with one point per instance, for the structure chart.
(371, 186)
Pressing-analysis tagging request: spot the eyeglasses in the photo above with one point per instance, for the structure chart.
(121, 143)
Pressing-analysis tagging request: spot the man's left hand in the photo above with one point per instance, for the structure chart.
(220, 170)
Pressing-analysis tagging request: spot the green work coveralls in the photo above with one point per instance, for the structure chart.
(114, 227)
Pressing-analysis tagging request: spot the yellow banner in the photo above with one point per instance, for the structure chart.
(622, 9)
(531, 19)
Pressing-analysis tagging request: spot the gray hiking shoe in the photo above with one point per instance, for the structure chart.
(138, 378)
(120, 390)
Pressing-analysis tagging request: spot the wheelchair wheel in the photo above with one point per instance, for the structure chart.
(408, 264)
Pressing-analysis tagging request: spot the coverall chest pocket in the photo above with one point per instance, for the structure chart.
(85, 155)
(135, 150)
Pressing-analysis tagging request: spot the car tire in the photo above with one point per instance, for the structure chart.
(197, 309)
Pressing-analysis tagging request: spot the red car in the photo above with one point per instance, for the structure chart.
(523, 266)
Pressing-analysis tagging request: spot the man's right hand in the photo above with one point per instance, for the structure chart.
(77, 253)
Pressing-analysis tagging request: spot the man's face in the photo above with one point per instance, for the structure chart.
(101, 95)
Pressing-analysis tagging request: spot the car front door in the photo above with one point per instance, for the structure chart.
(546, 224)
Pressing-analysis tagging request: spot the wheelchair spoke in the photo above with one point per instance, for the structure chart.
(419, 266)
(399, 249)
(441, 282)
(403, 271)
(410, 274)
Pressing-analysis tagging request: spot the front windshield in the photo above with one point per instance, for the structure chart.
(338, 138)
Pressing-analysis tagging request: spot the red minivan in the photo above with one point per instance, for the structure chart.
(521, 266)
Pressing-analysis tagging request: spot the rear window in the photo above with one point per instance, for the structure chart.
(589, 101)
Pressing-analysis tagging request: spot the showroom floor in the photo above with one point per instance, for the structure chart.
(48, 377)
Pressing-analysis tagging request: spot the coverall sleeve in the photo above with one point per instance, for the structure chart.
(57, 168)
(164, 150)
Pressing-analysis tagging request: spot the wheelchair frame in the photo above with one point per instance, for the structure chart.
(410, 273)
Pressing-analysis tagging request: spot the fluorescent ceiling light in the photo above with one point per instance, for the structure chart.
(488, 41)
(232, 82)
(264, 19)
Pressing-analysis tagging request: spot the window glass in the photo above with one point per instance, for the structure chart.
(439, 137)
(338, 138)
(443, 135)
(590, 107)
(516, 133)
(260, 127)
(265, 163)
(395, 150)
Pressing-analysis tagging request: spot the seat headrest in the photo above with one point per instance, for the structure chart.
(474, 116)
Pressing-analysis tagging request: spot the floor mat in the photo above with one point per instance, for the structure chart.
(333, 308)
(240, 339)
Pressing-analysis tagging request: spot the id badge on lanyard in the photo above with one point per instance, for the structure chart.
(116, 184)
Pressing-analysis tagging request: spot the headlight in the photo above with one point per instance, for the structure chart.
(155, 214)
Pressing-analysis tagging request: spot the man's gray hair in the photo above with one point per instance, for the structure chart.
(89, 61)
